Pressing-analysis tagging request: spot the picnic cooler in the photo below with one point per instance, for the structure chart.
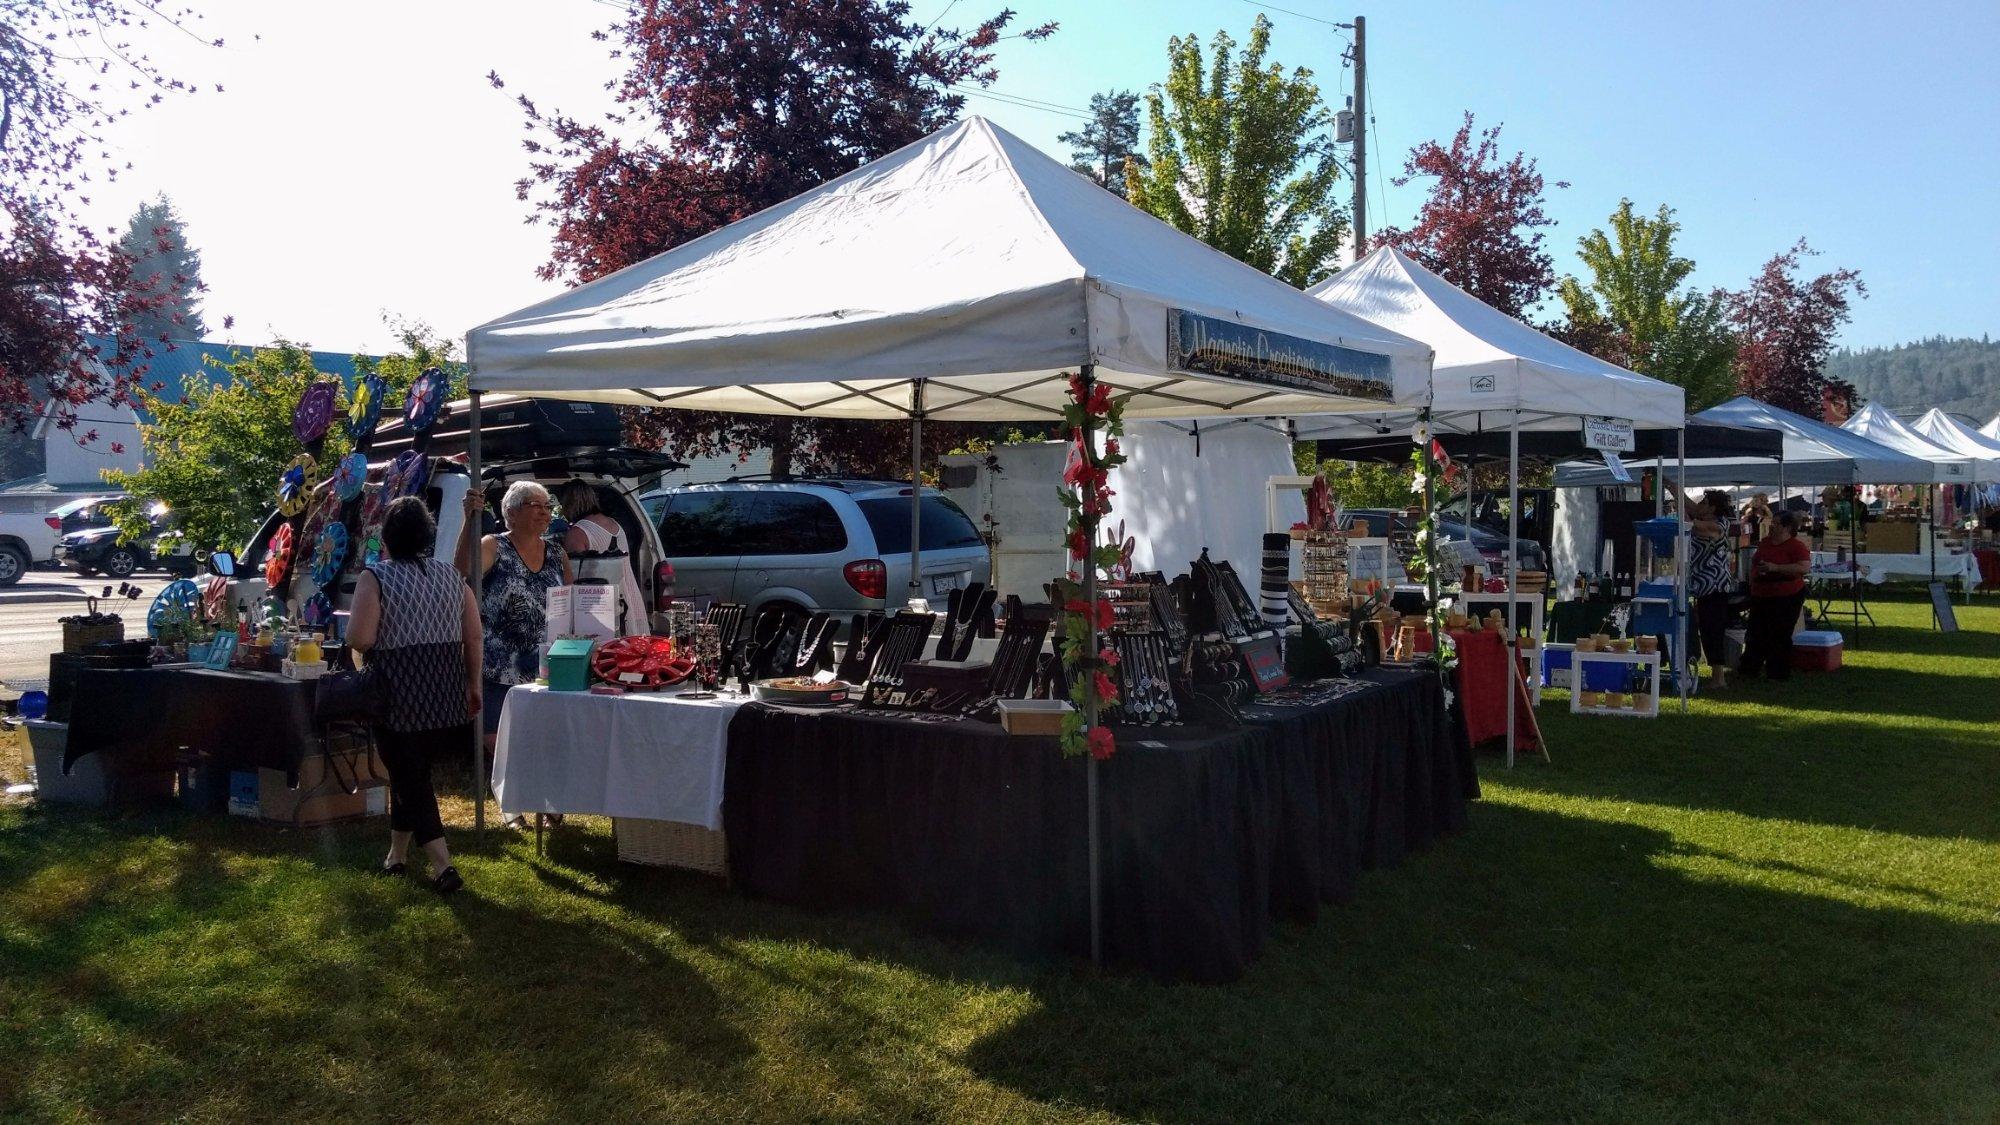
(1816, 650)
(669, 843)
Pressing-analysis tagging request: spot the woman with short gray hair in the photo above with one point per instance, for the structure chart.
(516, 571)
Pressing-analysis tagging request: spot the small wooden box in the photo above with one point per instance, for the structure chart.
(1033, 716)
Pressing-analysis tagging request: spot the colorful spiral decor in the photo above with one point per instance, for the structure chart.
(294, 491)
(314, 414)
(366, 409)
(351, 476)
(318, 612)
(407, 475)
(425, 399)
(178, 603)
(329, 553)
(277, 557)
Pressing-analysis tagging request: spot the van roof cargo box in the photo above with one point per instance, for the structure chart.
(511, 428)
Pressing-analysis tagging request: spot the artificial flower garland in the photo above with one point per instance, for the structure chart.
(1086, 499)
(1428, 461)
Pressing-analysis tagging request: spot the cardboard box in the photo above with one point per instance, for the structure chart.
(1885, 538)
(1033, 716)
(322, 796)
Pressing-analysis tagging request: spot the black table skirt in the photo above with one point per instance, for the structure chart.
(1208, 835)
(139, 719)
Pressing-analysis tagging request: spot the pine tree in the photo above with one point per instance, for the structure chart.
(164, 266)
(1107, 148)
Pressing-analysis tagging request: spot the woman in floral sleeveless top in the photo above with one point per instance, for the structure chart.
(516, 571)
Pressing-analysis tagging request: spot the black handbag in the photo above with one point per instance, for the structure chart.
(351, 697)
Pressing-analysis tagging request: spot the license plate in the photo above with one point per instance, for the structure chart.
(944, 583)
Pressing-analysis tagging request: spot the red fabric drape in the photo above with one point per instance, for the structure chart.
(1482, 677)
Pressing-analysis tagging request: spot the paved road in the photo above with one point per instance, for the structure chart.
(31, 611)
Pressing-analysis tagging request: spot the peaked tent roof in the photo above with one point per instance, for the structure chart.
(1815, 453)
(1942, 429)
(1488, 364)
(970, 260)
(1992, 427)
(1878, 425)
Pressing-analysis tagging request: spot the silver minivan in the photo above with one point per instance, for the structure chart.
(841, 546)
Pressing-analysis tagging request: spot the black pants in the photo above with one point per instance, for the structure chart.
(1769, 646)
(413, 803)
(1711, 622)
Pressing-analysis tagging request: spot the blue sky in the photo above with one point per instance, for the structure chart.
(351, 173)
(1865, 129)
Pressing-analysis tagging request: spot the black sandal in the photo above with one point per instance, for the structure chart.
(392, 869)
(447, 881)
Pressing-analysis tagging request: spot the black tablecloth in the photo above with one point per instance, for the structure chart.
(1207, 834)
(141, 718)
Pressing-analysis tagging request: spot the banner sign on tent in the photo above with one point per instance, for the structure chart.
(1612, 434)
(1619, 472)
(1206, 345)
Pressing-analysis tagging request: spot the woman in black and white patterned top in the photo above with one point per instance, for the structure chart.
(418, 622)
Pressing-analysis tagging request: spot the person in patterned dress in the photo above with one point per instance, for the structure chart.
(418, 624)
(1709, 580)
(515, 572)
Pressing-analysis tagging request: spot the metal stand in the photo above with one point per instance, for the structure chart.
(1089, 379)
(478, 724)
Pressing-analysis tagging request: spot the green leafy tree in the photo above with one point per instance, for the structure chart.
(214, 456)
(1356, 484)
(166, 268)
(1241, 156)
(1107, 149)
(1638, 311)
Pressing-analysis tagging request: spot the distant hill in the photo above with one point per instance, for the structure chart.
(1961, 376)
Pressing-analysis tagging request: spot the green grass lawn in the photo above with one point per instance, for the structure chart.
(1784, 905)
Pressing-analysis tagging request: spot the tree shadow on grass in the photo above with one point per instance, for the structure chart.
(143, 962)
(1563, 968)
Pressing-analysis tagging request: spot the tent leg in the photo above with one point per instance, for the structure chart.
(1686, 666)
(1513, 647)
(916, 489)
(479, 782)
(1088, 376)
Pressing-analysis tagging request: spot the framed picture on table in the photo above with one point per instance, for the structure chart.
(221, 651)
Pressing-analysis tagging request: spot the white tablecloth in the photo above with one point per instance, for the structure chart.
(1878, 569)
(657, 757)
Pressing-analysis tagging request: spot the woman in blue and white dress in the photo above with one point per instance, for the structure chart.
(516, 571)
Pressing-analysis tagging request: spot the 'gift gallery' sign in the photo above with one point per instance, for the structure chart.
(1206, 345)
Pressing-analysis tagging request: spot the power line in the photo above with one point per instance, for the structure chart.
(1289, 12)
(1381, 188)
(1021, 103)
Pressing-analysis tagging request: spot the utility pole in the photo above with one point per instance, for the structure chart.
(1360, 137)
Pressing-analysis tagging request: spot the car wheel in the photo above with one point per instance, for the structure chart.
(13, 564)
(120, 563)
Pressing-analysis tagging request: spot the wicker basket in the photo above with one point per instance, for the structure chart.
(667, 843)
(78, 636)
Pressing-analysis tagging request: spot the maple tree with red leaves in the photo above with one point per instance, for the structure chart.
(726, 108)
(68, 72)
(1480, 227)
(1785, 325)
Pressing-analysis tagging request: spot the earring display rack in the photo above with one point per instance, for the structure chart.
(1324, 573)
(902, 640)
(1145, 674)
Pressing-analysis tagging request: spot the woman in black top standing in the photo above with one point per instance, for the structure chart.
(418, 623)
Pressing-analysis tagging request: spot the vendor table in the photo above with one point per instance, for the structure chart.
(1877, 569)
(1207, 834)
(646, 755)
(142, 717)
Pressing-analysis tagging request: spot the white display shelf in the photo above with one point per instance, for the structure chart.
(1649, 660)
(1478, 604)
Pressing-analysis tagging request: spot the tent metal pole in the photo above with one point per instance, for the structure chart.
(916, 488)
(1088, 377)
(478, 728)
(1513, 647)
(1686, 667)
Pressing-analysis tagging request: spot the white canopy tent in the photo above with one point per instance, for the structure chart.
(1992, 427)
(963, 277)
(1489, 371)
(959, 278)
(1815, 454)
(1876, 423)
(1947, 432)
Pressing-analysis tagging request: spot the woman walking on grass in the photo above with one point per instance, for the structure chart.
(418, 623)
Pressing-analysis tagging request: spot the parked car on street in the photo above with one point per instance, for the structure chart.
(97, 546)
(1492, 546)
(836, 545)
(29, 540)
